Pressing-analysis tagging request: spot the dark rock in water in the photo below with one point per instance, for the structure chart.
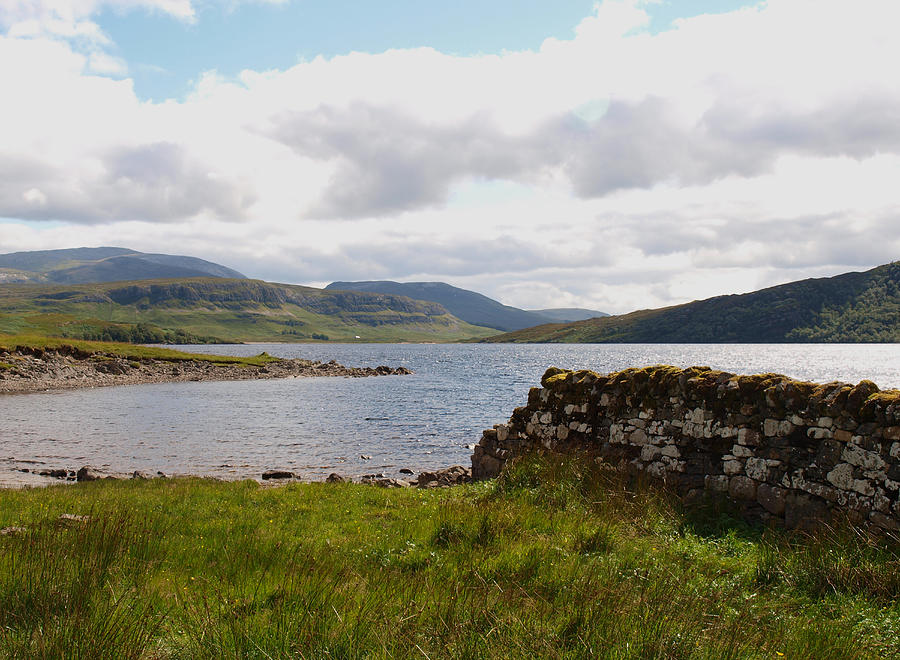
(56, 473)
(365, 457)
(405, 471)
(88, 473)
(445, 478)
(139, 474)
(277, 474)
(335, 478)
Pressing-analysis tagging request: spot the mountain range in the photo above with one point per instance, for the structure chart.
(103, 264)
(122, 294)
(469, 306)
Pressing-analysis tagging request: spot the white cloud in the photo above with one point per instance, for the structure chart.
(734, 151)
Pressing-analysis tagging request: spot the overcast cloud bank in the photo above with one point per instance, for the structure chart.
(615, 170)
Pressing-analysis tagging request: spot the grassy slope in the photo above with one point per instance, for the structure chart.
(127, 351)
(854, 307)
(554, 560)
(235, 310)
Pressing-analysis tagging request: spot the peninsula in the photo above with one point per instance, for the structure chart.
(37, 365)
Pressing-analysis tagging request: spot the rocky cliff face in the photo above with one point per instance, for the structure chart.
(794, 452)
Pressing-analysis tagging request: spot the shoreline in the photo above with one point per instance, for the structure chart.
(25, 478)
(29, 370)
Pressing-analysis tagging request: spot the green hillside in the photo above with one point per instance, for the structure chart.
(853, 307)
(223, 309)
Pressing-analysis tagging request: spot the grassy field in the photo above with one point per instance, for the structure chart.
(557, 559)
(127, 351)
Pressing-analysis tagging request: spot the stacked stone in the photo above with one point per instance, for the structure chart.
(797, 452)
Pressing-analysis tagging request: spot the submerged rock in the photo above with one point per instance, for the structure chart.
(277, 474)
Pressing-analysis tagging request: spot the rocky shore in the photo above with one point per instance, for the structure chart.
(32, 369)
(26, 477)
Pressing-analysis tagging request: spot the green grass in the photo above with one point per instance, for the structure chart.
(557, 559)
(128, 351)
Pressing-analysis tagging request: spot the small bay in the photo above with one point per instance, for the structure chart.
(315, 426)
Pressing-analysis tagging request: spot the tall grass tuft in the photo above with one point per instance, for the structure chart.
(72, 589)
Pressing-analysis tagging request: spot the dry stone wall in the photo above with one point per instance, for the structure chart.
(794, 452)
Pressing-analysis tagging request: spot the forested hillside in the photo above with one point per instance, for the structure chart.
(853, 307)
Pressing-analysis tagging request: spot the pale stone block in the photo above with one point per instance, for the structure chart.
(863, 487)
(638, 437)
(741, 451)
(756, 468)
(546, 418)
(868, 460)
(562, 431)
(819, 433)
(825, 422)
(671, 451)
(770, 427)
(569, 409)
(841, 476)
(732, 467)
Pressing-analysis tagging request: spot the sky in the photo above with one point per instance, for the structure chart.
(618, 155)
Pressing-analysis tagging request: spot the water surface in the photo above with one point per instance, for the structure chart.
(315, 426)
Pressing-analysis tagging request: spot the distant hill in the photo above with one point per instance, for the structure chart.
(223, 309)
(470, 306)
(853, 307)
(104, 264)
(568, 314)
